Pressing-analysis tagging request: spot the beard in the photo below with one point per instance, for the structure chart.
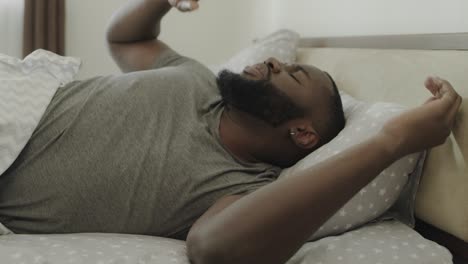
(258, 98)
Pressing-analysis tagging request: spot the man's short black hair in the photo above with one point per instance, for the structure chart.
(336, 119)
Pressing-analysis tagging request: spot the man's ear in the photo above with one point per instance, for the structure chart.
(304, 136)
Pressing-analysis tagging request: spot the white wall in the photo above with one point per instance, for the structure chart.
(211, 34)
(85, 34)
(11, 27)
(370, 17)
(222, 27)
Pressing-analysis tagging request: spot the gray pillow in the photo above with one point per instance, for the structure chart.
(383, 242)
(363, 121)
(403, 209)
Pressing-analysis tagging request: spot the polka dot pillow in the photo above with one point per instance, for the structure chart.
(383, 242)
(281, 44)
(363, 121)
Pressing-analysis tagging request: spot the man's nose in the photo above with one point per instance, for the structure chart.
(274, 65)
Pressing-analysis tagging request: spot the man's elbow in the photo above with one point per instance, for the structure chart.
(110, 35)
(203, 250)
(115, 34)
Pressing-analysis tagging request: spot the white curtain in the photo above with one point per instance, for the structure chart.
(11, 27)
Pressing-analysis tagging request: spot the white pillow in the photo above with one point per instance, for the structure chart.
(362, 121)
(26, 88)
(281, 44)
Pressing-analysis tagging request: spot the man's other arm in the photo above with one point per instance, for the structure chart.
(132, 34)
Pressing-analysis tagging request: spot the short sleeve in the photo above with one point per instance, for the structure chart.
(256, 182)
(170, 58)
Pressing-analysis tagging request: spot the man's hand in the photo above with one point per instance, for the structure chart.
(426, 126)
(184, 5)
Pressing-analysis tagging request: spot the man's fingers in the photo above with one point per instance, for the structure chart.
(450, 97)
(173, 2)
(446, 99)
(431, 86)
(454, 110)
(184, 5)
(187, 5)
(446, 88)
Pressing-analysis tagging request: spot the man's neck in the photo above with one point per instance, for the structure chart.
(239, 134)
(251, 140)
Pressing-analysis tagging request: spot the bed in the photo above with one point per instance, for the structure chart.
(374, 73)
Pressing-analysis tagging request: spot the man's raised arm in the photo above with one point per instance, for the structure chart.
(133, 33)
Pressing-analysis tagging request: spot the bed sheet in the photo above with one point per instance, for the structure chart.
(383, 242)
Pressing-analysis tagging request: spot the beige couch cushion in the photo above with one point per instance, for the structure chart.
(398, 76)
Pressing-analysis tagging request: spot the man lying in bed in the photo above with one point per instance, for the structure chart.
(169, 149)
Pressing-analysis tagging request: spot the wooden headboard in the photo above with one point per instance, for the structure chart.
(446, 41)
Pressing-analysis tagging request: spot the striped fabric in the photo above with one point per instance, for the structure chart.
(26, 89)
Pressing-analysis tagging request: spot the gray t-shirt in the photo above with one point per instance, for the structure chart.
(132, 153)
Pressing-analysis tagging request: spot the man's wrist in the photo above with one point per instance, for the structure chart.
(389, 144)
